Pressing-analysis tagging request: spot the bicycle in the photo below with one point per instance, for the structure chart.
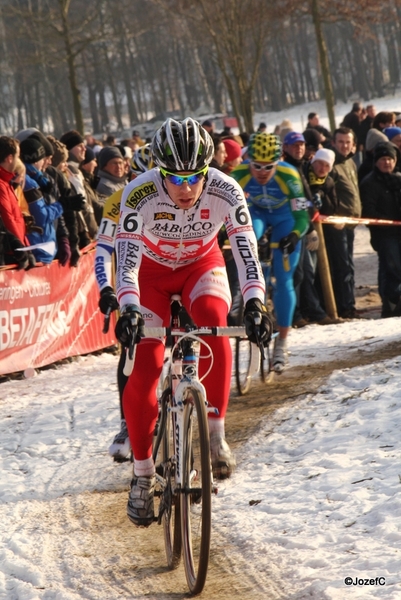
(250, 358)
(181, 451)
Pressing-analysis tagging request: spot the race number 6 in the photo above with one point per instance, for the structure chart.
(130, 223)
(242, 216)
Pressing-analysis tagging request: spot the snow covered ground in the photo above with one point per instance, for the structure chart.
(316, 497)
(298, 115)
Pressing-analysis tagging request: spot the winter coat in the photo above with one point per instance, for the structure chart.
(326, 191)
(10, 211)
(344, 175)
(381, 199)
(108, 184)
(45, 216)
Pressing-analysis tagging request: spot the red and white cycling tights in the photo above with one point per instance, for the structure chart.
(139, 398)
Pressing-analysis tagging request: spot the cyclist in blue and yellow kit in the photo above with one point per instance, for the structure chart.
(275, 196)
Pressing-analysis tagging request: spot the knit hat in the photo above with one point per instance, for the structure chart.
(89, 156)
(373, 137)
(126, 151)
(391, 132)
(326, 155)
(384, 149)
(60, 152)
(25, 133)
(233, 150)
(293, 137)
(312, 138)
(106, 154)
(31, 151)
(38, 135)
(72, 138)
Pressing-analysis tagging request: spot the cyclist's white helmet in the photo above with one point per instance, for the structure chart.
(182, 146)
(142, 160)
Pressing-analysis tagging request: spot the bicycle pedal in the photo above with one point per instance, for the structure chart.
(121, 459)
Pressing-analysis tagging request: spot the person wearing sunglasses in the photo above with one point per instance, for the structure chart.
(167, 244)
(276, 200)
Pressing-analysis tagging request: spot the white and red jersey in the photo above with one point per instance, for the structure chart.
(152, 225)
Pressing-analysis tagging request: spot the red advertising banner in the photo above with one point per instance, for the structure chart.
(49, 313)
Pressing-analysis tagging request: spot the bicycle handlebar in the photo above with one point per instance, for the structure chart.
(212, 331)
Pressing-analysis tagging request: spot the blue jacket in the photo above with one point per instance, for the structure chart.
(44, 215)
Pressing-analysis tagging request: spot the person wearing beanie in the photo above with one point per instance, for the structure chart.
(37, 184)
(111, 173)
(76, 147)
(313, 141)
(394, 135)
(233, 151)
(33, 155)
(381, 199)
(374, 136)
(127, 155)
(32, 151)
(79, 236)
(75, 144)
(209, 126)
(93, 214)
(307, 308)
(325, 155)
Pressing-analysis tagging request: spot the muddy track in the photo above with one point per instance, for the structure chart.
(143, 569)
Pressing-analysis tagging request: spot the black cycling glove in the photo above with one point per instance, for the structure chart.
(108, 300)
(257, 321)
(130, 325)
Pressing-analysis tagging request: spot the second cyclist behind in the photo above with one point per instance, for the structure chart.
(275, 195)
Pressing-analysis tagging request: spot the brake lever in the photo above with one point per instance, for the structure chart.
(106, 323)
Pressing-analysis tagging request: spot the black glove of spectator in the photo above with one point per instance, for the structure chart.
(64, 251)
(257, 321)
(77, 202)
(31, 226)
(130, 325)
(31, 261)
(108, 300)
(84, 239)
(288, 243)
(22, 260)
(75, 256)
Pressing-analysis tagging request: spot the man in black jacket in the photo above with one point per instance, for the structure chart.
(340, 242)
(381, 199)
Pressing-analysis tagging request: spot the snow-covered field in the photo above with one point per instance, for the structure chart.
(316, 497)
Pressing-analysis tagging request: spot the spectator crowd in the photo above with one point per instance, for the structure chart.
(52, 194)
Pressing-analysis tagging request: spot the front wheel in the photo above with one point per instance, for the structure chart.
(196, 500)
(243, 357)
(169, 509)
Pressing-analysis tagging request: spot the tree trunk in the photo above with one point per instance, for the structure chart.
(324, 62)
(75, 92)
